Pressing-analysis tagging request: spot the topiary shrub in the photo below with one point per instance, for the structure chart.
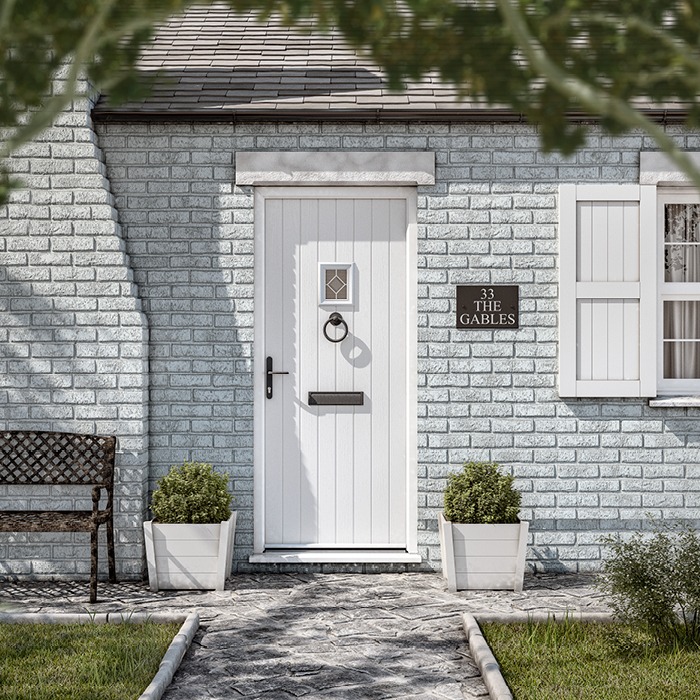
(192, 493)
(480, 493)
(654, 582)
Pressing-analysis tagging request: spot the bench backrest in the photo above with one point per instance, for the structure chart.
(40, 457)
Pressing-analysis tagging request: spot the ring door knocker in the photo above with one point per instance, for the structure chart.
(335, 320)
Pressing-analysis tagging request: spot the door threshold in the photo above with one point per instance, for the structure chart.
(338, 556)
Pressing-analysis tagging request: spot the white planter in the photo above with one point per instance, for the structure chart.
(483, 556)
(184, 556)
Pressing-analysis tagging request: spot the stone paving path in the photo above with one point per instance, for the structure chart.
(281, 636)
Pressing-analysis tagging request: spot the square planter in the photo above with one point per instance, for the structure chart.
(189, 556)
(490, 557)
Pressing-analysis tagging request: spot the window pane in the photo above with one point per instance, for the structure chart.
(682, 328)
(682, 238)
(682, 320)
(682, 223)
(682, 360)
(682, 263)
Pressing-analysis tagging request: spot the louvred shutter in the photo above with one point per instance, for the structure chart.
(607, 290)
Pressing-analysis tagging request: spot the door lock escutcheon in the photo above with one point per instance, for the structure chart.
(268, 377)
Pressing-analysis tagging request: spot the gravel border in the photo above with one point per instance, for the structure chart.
(482, 654)
(172, 658)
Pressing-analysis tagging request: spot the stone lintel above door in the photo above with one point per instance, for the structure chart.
(405, 168)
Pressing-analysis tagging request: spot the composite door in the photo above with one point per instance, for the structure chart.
(335, 320)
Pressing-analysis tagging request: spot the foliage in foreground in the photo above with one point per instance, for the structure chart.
(192, 493)
(548, 59)
(654, 582)
(80, 662)
(590, 661)
(480, 493)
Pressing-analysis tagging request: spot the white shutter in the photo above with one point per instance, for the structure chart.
(607, 290)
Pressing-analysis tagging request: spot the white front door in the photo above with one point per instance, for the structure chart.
(337, 430)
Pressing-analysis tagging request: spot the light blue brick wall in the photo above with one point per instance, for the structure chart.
(73, 339)
(585, 467)
(178, 245)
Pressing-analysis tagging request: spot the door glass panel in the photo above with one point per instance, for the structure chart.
(336, 284)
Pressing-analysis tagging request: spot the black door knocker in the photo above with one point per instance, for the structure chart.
(335, 319)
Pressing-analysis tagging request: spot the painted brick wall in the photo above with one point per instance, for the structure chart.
(73, 340)
(585, 467)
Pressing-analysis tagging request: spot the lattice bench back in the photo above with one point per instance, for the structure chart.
(30, 457)
(38, 457)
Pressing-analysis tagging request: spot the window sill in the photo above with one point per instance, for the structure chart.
(675, 402)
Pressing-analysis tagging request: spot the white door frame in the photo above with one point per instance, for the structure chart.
(411, 291)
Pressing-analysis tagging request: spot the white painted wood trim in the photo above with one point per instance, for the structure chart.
(335, 168)
(567, 290)
(607, 290)
(412, 370)
(605, 388)
(649, 239)
(667, 291)
(410, 195)
(225, 557)
(570, 290)
(520, 563)
(150, 554)
(448, 553)
(259, 344)
(605, 193)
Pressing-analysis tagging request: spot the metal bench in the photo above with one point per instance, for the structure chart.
(35, 458)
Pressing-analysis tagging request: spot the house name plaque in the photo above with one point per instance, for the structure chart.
(488, 306)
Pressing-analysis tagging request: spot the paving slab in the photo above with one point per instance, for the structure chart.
(281, 636)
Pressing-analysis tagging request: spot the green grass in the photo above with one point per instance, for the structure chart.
(588, 661)
(80, 662)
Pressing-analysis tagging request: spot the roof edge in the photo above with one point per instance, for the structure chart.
(663, 116)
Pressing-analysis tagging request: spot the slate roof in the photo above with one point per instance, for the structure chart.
(212, 63)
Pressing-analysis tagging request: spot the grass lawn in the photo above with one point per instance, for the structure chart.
(588, 661)
(80, 662)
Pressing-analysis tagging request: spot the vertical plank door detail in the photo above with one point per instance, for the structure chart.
(335, 476)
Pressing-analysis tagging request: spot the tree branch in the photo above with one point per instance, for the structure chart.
(594, 99)
(44, 117)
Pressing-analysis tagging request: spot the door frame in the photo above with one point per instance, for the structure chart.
(261, 194)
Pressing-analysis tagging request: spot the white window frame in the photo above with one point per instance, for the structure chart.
(672, 291)
(350, 269)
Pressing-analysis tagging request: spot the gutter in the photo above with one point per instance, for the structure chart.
(473, 115)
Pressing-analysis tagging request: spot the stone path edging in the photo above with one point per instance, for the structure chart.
(485, 660)
(171, 659)
(481, 651)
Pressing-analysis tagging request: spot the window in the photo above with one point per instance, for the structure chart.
(336, 283)
(679, 292)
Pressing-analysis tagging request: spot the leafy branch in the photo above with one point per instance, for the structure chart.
(545, 59)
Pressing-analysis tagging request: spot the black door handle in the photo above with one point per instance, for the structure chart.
(268, 377)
